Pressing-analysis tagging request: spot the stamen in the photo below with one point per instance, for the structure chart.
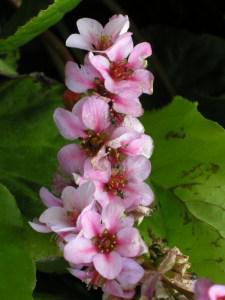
(106, 242)
(120, 70)
(93, 142)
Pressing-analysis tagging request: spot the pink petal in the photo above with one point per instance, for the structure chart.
(55, 218)
(146, 193)
(121, 137)
(91, 224)
(69, 198)
(68, 124)
(79, 250)
(101, 172)
(117, 25)
(101, 195)
(48, 198)
(71, 159)
(82, 275)
(78, 41)
(139, 54)
(201, 289)
(77, 79)
(100, 63)
(149, 286)
(108, 265)
(84, 195)
(95, 114)
(121, 48)
(128, 106)
(133, 123)
(111, 216)
(130, 274)
(119, 86)
(128, 242)
(112, 287)
(39, 227)
(141, 192)
(216, 291)
(145, 78)
(137, 168)
(90, 29)
(140, 146)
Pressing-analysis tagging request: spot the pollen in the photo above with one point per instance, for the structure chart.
(93, 142)
(120, 70)
(106, 242)
(104, 42)
(117, 183)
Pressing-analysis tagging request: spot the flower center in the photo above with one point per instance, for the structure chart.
(115, 156)
(104, 42)
(106, 242)
(93, 142)
(120, 71)
(72, 216)
(116, 183)
(221, 298)
(100, 88)
(115, 117)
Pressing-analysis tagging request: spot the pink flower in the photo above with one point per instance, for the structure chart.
(149, 285)
(131, 143)
(206, 290)
(122, 73)
(88, 121)
(87, 79)
(64, 216)
(124, 284)
(93, 37)
(83, 78)
(122, 184)
(104, 241)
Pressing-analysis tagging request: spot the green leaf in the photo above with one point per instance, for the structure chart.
(189, 163)
(45, 19)
(28, 147)
(195, 238)
(6, 69)
(29, 138)
(17, 272)
(194, 65)
(43, 249)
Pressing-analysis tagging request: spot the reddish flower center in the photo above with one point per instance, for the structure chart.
(115, 156)
(72, 216)
(100, 88)
(106, 242)
(117, 182)
(104, 42)
(116, 118)
(120, 70)
(221, 298)
(93, 142)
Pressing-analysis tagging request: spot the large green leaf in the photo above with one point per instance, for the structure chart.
(189, 163)
(29, 138)
(28, 147)
(45, 19)
(17, 272)
(172, 220)
(193, 67)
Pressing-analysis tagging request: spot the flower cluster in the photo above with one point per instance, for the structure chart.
(99, 191)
